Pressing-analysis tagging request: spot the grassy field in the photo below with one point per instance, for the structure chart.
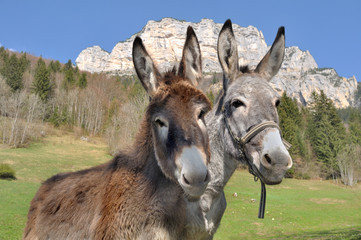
(35, 164)
(296, 209)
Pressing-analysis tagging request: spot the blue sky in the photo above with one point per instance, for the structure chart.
(61, 29)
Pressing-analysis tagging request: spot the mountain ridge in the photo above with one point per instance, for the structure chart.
(164, 40)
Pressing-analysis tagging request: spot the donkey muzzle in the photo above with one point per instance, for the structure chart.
(194, 175)
(275, 158)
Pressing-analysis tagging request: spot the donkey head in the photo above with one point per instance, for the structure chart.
(176, 116)
(248, 101)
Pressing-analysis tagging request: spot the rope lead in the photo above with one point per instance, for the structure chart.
(241, 148)
(262, 202)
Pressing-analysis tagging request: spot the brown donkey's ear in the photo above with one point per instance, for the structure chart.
(227, 53)
(144, 66)
(272, 61)
(190, 66)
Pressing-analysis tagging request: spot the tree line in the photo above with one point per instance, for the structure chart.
(36, 93)
(325, 141)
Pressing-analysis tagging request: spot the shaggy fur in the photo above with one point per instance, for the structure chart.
(135, 195)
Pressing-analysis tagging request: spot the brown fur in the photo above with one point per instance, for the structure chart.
(135, 195)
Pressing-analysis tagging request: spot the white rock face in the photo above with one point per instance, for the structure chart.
(164, 40)
(92, 59)
(300, 86)
(299, 74)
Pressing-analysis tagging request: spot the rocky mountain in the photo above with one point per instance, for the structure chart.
(299, 74)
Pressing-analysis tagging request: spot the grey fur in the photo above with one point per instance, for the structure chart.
(256, 104)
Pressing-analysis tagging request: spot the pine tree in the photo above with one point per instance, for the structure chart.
(13, 70)
(326, 132)
(290, 122)
(2, 50)
(69, 79)
(4, 55)
(68, 66)
(54, 66)
(355, 126)
(42, 85)
(23, 62)
(82, 82)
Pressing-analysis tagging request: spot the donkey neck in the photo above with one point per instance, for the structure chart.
(222, 164)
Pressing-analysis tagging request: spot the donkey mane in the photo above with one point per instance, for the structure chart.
(245, 69)
(172, 84)
(170, 75)
(61, 176)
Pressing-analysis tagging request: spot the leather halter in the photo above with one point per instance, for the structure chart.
(241, 142)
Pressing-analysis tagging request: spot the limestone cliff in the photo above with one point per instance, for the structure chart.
(299, 74)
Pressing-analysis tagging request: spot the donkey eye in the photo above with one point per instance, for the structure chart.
(201, 114)
(160, 123)
(237, 103)
(278, 102)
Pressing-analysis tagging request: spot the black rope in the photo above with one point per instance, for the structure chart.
(251, 168)
(262, 202)
(241, 148)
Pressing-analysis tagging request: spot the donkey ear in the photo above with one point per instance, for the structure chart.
(272, 61)
(190, 67)
(144, 66)
(227, 52)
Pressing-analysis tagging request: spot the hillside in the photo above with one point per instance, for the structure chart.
(295, 209)
(44, 94)
(299, 75)
(37, 92)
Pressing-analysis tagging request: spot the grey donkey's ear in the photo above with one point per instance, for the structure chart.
(144, 66)
(227, 53)
(272, 61)
(190, 66)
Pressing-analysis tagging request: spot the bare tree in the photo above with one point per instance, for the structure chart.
(34, 110)
(124, 123)
(18, 111)
(4, 95)
(16, 104)
(349, 163)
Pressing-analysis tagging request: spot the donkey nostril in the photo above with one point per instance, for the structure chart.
(185, 180)
(268, 159)
(206, 179)
(289, 163)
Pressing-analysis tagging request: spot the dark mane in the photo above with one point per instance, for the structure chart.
(244, 69)
(170, 76)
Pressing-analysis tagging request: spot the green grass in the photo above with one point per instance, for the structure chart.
(35, 164)
(296, 209)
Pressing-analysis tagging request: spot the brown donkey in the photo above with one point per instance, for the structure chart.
(140, 193)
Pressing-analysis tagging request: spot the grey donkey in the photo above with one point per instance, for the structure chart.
(247, 101)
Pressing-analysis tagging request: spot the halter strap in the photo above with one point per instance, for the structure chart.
(241, 142)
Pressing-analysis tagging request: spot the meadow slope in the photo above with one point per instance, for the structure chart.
(295, 209)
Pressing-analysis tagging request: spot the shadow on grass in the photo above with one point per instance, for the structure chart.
(353, 233)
